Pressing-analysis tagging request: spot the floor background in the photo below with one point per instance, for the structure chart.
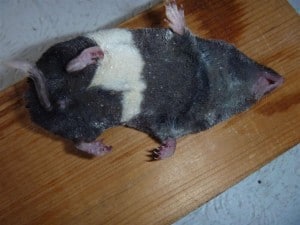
(269, 196)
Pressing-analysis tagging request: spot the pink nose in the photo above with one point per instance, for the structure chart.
(267, 81)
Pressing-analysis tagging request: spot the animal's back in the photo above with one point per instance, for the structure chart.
(174, 81)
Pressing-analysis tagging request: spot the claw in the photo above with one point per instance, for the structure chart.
(155, 154)
(166, 150)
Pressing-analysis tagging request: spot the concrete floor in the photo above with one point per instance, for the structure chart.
(30, 27)
(269, 196)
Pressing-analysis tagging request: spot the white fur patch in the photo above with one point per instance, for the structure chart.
(120, 69)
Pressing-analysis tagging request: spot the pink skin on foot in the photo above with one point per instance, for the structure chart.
(175, 17)
(87, 57)
(166, 150)
(96, 148)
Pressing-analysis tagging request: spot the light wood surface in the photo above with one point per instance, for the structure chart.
(42, 181)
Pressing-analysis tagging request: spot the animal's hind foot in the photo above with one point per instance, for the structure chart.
(175, 17)
(165, 150)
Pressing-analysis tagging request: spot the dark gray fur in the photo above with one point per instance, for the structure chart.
(192, 84)
(78, 114)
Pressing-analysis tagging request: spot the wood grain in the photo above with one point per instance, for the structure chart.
(43, 181)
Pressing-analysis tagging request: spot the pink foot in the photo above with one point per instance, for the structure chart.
(96, 148)
(166, 150)
(175, 17)
(87, 57)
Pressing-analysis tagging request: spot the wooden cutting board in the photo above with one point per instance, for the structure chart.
(43, 181)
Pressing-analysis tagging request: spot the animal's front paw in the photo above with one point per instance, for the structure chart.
(96, 148)
(165, 150)
(175, 17)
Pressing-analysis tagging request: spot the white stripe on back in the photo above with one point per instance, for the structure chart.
(120, 69)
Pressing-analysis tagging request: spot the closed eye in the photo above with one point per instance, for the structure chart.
(63, 103)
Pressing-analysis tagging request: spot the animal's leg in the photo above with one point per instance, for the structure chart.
(175, 17)
(165, 150)
(87, 57)
(96, 148)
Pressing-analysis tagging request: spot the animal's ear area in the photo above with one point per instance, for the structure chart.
(24, 66)
(266, 82)
(38, 78)
(87, 57)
